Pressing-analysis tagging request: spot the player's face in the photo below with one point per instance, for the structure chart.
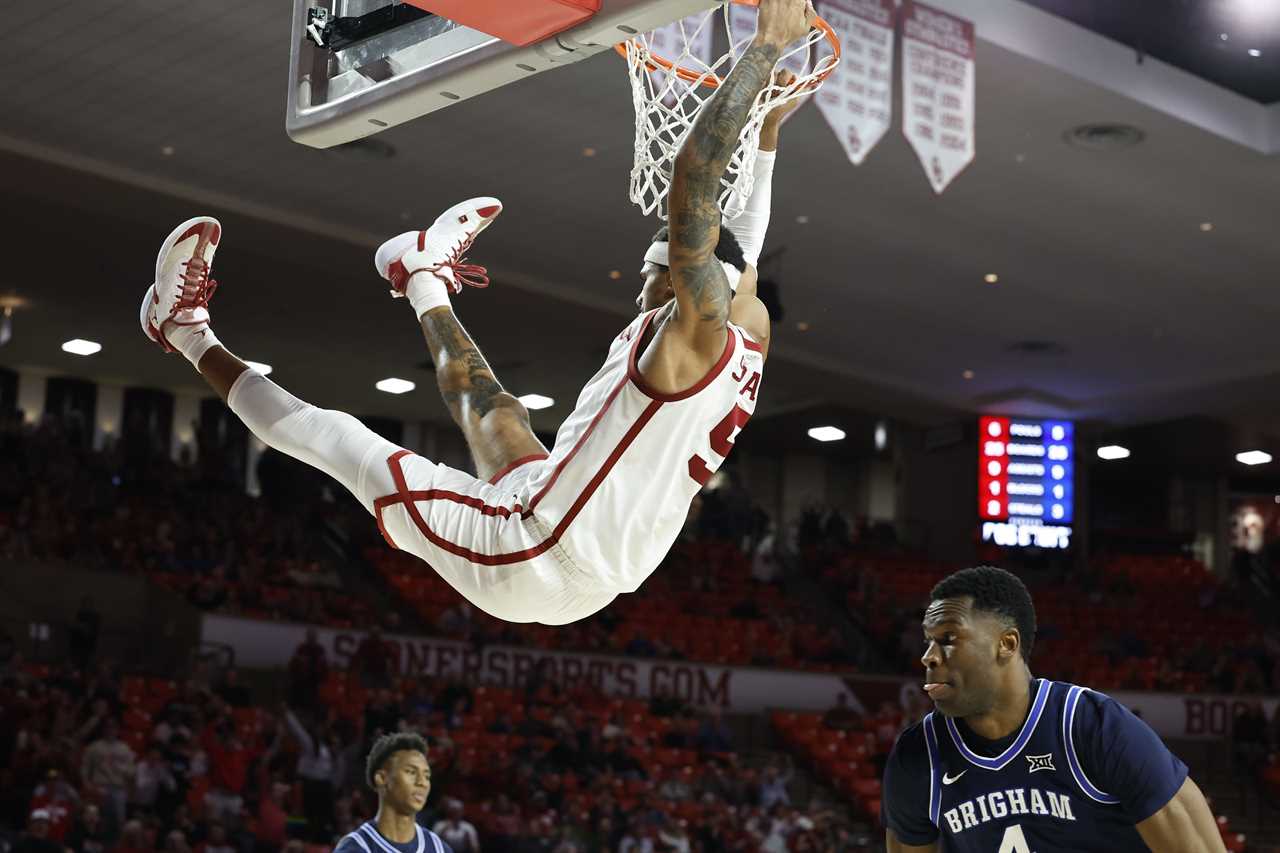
(964, 650)
(656, 290)
(405, 781)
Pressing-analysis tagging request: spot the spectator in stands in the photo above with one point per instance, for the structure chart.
(229, 760)
(842, 717)
(217, 842)
(316, 772)
(1250, 738)
(714, 734)
(273, 815)
(36, 839)
(84, 634)
(308, 669)
(89, 833)
(773, 787)
(176, 842)
(613, 728)
(232, 691)
(457, 621)
(133, 839)
(8, 650)
(766, 567)
(59, 800)
(501, 724)
(503, 825)
(675, 837)
(171, 722)
(621, 762)
(454, 830)
(640, 838)
(373, 660)
(154, 785)
(107, 770)
(771, 828)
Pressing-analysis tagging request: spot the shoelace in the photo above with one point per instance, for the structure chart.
(197, 287)
(463, 272)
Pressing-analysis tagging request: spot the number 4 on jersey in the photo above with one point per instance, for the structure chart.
(1014, 841)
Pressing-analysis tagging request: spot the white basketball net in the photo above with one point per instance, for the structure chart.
(667, 104)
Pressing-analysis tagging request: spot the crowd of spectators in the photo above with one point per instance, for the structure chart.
(191, 528)
(92, 761)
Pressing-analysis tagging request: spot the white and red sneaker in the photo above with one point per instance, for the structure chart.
(440, 248)
(182, 289)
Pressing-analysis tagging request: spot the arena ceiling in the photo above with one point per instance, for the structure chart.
(1114, 302)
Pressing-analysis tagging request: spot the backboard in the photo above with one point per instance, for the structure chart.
(357, 67)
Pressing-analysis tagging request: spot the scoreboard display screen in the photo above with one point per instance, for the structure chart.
(1026, 481)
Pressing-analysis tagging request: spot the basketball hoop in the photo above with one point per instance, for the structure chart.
(670, 86)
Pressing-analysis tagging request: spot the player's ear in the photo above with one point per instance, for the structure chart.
(1010, 643)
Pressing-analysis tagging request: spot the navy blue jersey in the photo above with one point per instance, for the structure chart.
(1077, 777)
(367, 839)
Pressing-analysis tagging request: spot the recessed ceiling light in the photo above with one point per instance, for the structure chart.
(264, 369)
(536, 401)
(615, 274)
(76, 346)
(1113, 451)
(395, 386)
(968, 374)
(881, 435)
(991, 278)
(1224, 36)
(802, 220)
(167, 150)
(1254, 52)
(1254, 457)
(826, 433)
(1206, 226)
(588, 152)
(802, 326)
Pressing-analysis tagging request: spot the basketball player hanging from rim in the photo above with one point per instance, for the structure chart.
(537, 536)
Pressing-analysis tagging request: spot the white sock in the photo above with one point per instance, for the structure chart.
(192, 341)
(426, 291)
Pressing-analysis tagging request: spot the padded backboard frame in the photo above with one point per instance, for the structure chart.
(359, 89)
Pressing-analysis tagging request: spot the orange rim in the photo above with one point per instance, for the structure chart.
(654, 62)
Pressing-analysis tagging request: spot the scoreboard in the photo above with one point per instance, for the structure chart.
(1026, 481)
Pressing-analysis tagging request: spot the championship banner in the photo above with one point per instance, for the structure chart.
(746, 690)
(857, 99)
(937, 90)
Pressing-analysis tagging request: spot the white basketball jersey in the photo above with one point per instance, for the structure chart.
(628, 461)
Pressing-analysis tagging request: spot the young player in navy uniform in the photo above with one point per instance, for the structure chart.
(1008, 763)
(398, 770)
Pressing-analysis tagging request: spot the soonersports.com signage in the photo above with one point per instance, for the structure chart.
(739, 689)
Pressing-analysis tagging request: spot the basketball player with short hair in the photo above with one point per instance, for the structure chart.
(1008, 763)
(397, 769)
(537, 536)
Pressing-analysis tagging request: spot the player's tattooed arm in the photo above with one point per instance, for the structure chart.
(702, 290)
(466, 382)
(700, 283)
